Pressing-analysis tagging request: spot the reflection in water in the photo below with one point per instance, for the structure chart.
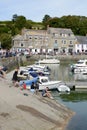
(54, 71)
(73, 96)
(80, 77)
(62, 72)
(76, 100)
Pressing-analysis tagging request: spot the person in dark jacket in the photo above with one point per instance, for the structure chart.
(32, 89)
(37, 87)
(15, 77)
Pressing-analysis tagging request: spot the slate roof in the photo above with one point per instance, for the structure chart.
(36, 32)
(60, 30)
(82, 39)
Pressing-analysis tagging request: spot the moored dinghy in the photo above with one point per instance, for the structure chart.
(63, 88)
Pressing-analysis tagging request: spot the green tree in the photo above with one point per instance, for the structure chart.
(45, 20)
(5, 41)
(83, 26)
(54, 22)
(28, 25)
(20, 22)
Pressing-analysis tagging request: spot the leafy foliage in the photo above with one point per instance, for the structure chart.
(20, 22)
(78, 24)
(5, 41)
(46, 20)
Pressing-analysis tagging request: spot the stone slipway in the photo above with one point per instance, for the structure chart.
(29, 112)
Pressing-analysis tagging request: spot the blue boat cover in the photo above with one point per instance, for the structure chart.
(29, 82)
(33, 74)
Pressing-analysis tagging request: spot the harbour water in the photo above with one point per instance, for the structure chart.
(76, 100)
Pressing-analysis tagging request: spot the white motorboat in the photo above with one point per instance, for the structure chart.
(79, 67)
(82, 70)
(49, 61)
(38, 67)
(35, 67)
(59, 85)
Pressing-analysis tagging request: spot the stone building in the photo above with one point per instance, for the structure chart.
(56, 40)
(62, 40)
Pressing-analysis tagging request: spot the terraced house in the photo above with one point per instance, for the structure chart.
(56, 40)
(81, 47)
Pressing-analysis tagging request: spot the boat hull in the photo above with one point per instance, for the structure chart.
(29, 82)
(58, 85)
(50, 85)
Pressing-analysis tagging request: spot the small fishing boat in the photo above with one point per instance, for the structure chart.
(45, 82)
(79, 67)
(49, 61)
(58, 85)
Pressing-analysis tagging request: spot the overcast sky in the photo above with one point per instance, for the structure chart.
(36, 9)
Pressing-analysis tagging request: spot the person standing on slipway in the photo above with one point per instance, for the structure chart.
(37, 87)
(32, 88)
(15, 77)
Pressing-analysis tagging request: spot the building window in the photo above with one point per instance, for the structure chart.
(30, 37)
(22, 45)
(69, 34)
(35, 50)
(70, 42)
(60, 34)
(55, 41)
(40, 37)
(78, 51)
(36, 38)
(56, 44)
(64, 42)
(53, 34)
